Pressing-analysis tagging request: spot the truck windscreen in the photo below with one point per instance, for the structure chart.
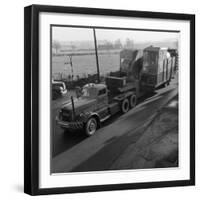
(89, 92)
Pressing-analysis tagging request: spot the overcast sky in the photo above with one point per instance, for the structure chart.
(84, 34)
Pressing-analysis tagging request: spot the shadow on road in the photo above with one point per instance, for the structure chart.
(66, 140)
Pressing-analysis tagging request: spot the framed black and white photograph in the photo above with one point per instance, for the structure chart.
(109, 99)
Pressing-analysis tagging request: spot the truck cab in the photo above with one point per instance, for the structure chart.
(95, 105)
(87, 111)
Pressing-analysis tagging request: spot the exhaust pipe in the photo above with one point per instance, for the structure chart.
(73, 108)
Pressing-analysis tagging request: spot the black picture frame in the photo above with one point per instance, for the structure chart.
(31, 98)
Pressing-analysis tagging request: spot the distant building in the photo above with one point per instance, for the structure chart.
(106, 46)
(66, 48)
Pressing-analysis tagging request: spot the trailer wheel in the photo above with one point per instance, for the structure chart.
(91, 126)
(125, 106)
(133, 101)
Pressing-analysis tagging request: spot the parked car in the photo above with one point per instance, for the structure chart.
(58, 89)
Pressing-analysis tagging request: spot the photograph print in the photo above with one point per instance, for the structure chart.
(114, 99)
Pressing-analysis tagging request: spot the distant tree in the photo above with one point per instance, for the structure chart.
(73, 47)
(107, 45)
(56, 45)
(176, 44)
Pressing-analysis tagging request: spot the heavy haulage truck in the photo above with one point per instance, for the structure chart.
(141, 72)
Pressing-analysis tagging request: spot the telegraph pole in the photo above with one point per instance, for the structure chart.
(97, 59)
(71, 64)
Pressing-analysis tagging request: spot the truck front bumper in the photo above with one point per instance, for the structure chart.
(69, 125)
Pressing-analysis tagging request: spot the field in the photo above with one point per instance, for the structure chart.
(84, 64)
(84, 61)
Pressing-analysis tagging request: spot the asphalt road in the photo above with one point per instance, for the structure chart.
(147, 106)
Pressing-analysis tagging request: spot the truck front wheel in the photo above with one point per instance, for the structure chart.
(91, 126)
(125, 106)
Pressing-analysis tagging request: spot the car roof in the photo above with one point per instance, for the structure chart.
(96, 86)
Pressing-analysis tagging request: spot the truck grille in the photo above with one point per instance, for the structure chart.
(66, 115)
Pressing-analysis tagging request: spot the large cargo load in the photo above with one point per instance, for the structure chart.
(128, 77)
(174, 55)
(131, 63)
(157, 67)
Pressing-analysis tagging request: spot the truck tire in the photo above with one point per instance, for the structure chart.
(133, 101)
(125, 106)
(91, 126)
